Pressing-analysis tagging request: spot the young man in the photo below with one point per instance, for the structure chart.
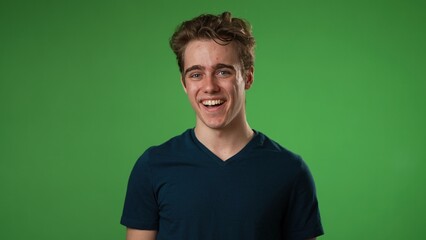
(220, 180)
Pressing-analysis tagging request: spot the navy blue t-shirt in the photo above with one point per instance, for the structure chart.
(185, 192)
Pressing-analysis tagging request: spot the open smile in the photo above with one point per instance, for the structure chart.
(212, 104)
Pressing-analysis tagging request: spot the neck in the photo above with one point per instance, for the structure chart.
(225, 142)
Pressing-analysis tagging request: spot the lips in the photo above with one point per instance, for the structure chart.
(212, 102)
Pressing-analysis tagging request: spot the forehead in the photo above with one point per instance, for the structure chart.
(209, 53)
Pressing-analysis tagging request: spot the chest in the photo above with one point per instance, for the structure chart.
(240, 192)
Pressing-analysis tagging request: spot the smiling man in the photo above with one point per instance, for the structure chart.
(221, 179)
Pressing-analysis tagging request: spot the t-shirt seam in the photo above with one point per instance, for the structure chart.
(317, 228)
(245, 150)
(131, 222)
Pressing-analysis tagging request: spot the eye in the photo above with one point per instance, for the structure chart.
(224, 73)
(195, 75)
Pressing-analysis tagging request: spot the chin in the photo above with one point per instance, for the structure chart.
(214, 124)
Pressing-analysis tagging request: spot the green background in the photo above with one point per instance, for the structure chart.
(87, 86)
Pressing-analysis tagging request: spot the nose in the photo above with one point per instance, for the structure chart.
(211, 85)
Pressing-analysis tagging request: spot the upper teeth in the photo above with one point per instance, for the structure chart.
(212, 102)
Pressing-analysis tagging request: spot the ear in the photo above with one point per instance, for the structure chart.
(182, 81)
(249, 77)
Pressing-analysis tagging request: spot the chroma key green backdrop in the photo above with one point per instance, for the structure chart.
(87, 86)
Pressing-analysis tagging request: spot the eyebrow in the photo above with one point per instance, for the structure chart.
(199, 67)
(221, 65)
(195, 67)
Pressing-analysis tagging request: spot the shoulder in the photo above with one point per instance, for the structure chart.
(289, 164)
(175, 146)
(270, 148)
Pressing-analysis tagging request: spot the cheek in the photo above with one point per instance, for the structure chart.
(236, 88)
(191, 92)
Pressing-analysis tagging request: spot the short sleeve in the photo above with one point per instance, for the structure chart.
(303, 219)
(140, 206)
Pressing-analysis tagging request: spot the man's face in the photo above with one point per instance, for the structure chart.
(214, 82)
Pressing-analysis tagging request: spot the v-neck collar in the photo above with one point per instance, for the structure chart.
(247, 148)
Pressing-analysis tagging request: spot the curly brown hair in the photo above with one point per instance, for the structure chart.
(223, 29)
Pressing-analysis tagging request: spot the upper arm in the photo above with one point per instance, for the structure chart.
(136, 234)
(140, 206)
(303, 220)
